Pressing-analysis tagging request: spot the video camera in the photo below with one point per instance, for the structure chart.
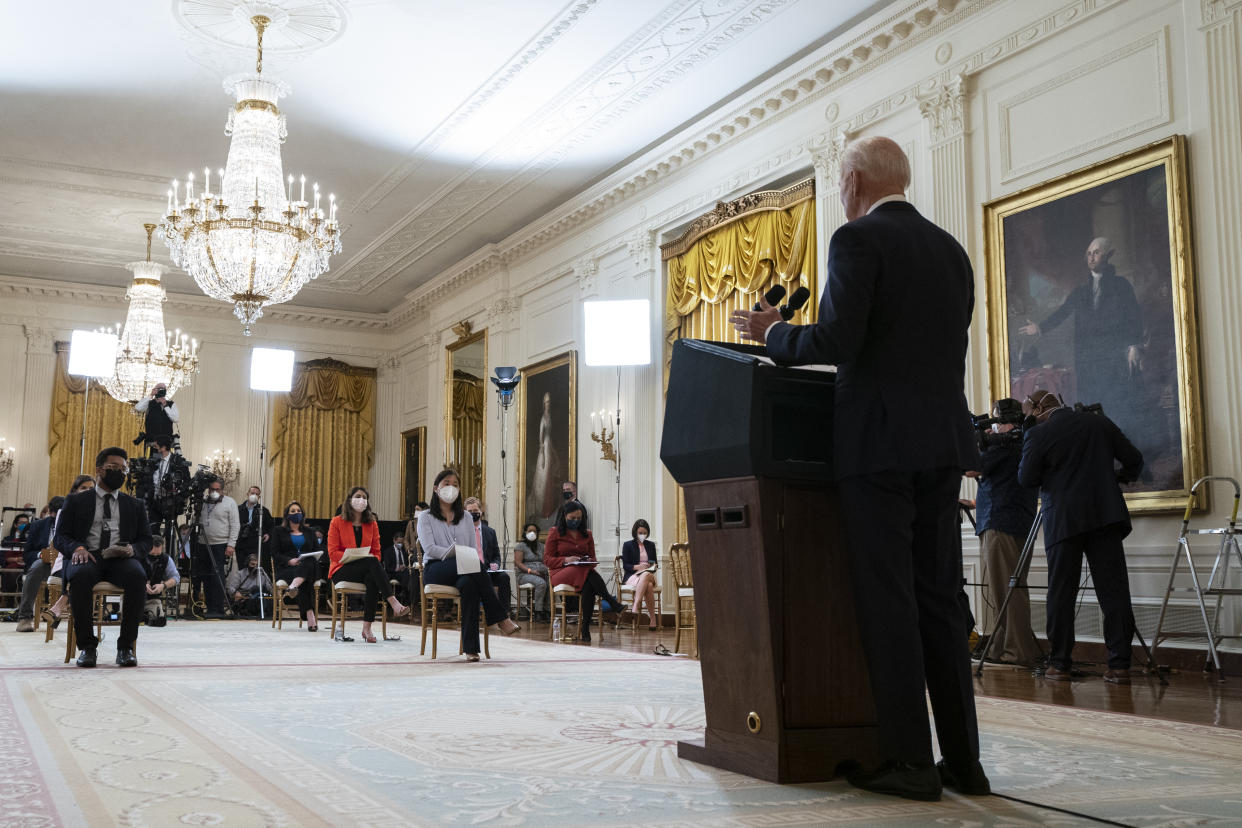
(1009, 413)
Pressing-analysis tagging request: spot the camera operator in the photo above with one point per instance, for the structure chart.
(159, 413)
(1070, 456)
(247, 586)
(162, 577)
(1004, 512)
(219, 526)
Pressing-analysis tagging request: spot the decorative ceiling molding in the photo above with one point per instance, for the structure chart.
(681, 38)
(68, 187)
(523, 58)
(1216, 11)
(216, 34)
(78, 169)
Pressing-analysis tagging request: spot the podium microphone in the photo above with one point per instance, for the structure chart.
(775, 294)
(796, 301)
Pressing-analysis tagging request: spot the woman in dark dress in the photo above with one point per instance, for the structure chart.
(289, 540)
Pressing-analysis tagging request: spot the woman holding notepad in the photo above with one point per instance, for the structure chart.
(354, 550)
(569, 554)
(448, 541)
(638, 560)
(293, 550)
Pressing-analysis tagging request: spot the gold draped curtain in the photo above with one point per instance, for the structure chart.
(323, 436)
(756, 242)
(466, 441)
(108, 423)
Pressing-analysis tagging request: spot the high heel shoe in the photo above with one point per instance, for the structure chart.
(472, 657)
(50, 618)
(513, 628)
(401, 613)
(370, 639)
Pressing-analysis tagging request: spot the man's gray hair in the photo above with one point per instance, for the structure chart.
(879, 161)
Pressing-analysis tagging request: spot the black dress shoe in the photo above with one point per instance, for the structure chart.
(126, 658)
(86, 658)
(584, 635)
(972, 781)
(1057, 674)
(900, 779)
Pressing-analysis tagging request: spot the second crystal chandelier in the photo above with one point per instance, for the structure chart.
(251, 244)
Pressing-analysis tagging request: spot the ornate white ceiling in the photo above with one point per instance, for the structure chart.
(441, 127)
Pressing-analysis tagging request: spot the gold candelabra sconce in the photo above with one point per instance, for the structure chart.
(7, 453)
(604, 432)
(226, 466)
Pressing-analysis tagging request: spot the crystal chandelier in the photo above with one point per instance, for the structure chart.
(146, 354)
(224, 466)
(251, 244)
(6, 460)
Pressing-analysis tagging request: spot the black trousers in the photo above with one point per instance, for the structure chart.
(125, 573)
(214, 568)
(475, 588)
(1106, 557)
(906, 564)
(504, 588)
(594, 586)
(369, 571)
(308, 570)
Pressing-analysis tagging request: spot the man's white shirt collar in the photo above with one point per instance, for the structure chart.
(886, 200)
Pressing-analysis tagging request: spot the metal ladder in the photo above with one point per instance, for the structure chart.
(1218, 582)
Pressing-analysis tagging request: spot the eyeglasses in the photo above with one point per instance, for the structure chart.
(115, 467)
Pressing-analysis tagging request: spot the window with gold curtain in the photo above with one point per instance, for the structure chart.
(322, 436)
(467, 436)
(108, 423)
(728, 258)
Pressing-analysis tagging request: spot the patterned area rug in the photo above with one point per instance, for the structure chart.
(235, 724)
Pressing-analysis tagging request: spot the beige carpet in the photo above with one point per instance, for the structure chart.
(233, 724)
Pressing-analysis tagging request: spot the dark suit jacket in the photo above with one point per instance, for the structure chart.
(491, 547)
(38, 538)
(79, 513)
(1102, 335)
(894, 319)
(629, 555)
(389, 559)
(281, 548)
(1070, 457)
(252, 528)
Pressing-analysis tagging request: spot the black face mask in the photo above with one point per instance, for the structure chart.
(567, 495)
(477, 516)
(114, 479)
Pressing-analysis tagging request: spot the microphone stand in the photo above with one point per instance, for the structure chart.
(267, 401)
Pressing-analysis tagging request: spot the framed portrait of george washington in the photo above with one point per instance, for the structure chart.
(547, 430)
(413, 469)
(1090, 287)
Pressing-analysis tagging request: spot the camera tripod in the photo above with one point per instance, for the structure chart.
(1017, 580)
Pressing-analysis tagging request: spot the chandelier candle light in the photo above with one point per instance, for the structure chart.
(251, 244)
(224, 466)
(146, 353)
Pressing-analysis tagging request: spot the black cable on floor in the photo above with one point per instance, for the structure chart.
(1100, 820)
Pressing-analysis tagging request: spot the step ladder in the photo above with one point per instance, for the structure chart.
(1217, 583)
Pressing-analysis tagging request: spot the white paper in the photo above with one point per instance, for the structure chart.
(467, 559)
(320, 552)
(355, 553)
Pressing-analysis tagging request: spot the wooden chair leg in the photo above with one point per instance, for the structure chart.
(422, 618)
(487, 650)
(70, 637)
(677, 626)
(435, 626)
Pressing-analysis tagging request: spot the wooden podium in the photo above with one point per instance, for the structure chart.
(785, 686)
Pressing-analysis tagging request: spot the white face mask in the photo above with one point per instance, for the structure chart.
(448, 493)
(641, 537)
(254, 498)
(530, 536)
(359, 504)
(213, 496)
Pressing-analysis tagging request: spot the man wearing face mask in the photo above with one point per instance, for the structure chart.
(158, 415)
(396, 561)
(219, 528)
(246, 587)
(486, 537)
(256, 525)
(105, 536)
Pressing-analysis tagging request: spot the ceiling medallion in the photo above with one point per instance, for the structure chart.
(297, 28)
(147, 354)
(251, 244)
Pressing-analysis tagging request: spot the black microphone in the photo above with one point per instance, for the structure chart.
(795, 303)
(775, 294)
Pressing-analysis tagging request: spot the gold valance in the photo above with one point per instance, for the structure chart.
(323, 435)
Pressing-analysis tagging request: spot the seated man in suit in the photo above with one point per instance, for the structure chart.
(104, 535)
(1070, 456)
(397, 566)
(491, 553)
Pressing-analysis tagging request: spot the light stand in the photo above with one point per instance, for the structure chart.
(506, 382)
(271, 369)
(92, 355)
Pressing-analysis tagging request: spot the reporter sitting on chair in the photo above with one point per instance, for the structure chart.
(638, 557)
(1070, 456)
(289, 542)
(441, 530)
(570, 544)
(356, 528)
(104, 535)
(247, 587)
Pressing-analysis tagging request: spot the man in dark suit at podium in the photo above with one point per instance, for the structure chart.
(894, 319)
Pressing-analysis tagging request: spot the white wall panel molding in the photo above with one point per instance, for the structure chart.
(1141, 68)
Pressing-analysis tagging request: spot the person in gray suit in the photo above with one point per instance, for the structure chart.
(894, 318)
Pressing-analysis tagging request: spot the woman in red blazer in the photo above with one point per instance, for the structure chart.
(569, 542)
(353, 528)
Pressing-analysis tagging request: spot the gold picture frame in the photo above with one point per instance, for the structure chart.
(413, 469)
(1132, 347)
(547, 457)
(466, 390)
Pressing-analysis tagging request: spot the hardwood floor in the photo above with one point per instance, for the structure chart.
(1190, 696)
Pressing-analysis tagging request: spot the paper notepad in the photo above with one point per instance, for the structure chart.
(317, 554)
(467, 559)
(355, 553)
